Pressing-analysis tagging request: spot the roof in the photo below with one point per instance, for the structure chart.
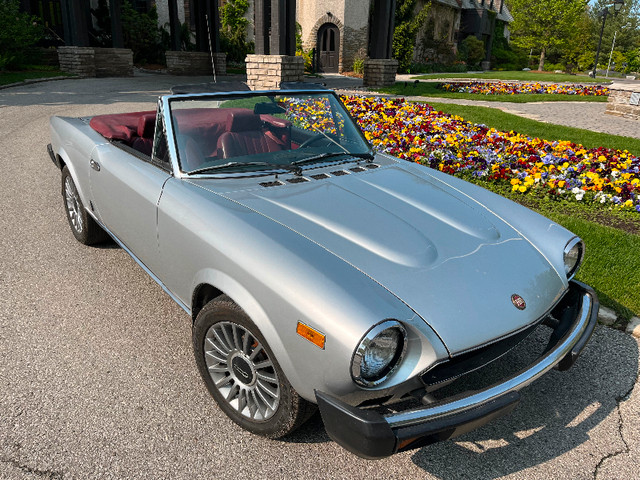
(495, 5)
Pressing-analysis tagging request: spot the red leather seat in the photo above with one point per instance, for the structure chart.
(245, 135)
(146, 127)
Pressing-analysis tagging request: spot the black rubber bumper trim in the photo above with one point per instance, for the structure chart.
(567, 362)
(367, 434)
(54, 159)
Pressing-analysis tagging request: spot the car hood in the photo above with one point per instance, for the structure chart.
(447, 257)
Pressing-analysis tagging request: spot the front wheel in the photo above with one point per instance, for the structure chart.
(83, 226)
(242, 374)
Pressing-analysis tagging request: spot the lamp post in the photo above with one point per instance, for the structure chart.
(617, 5)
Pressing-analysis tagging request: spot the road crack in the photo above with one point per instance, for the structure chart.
(626, 448)
(49, 474)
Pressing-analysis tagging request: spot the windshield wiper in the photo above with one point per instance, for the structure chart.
(296, 170)
(368, 156)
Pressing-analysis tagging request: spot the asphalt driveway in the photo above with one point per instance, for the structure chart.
(97, 377)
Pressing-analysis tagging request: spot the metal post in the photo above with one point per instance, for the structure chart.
(604, 13)
(613, 45)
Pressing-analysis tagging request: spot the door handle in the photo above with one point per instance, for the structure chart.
(95, 165)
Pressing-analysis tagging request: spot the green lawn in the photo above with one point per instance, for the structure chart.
(429, 89)
(612, 262)
(7, 78)
(520, 75)
(506, 122)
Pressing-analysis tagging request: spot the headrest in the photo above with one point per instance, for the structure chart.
(241, 121)
(275, 121)
(146, 125)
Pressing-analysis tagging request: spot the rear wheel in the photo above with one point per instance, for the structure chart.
(242, 374)
(83, 226)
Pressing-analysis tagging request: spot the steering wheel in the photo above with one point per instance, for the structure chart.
(309, 141)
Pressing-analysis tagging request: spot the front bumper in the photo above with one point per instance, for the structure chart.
(372, 435)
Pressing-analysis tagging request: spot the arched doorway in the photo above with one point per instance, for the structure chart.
(328, 48)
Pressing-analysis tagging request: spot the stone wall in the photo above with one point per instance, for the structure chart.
(96, 62)
(379, 72)
(624, 101)
(113, 62)
(195, 63)
(77, 61)
(265, 72)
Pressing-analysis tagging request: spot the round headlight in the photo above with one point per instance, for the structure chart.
(573, 252)
(379, 353)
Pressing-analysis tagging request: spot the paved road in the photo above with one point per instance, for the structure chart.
(97, 378)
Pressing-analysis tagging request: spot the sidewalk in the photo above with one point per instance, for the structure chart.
(585, 115)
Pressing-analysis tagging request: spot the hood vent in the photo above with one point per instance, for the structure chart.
(320, 176)
(275, 183)
(339, 173)
(357, 169)
(371, 166)
(297, 180)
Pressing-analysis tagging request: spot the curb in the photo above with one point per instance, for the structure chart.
(634, 327)
(37, 80)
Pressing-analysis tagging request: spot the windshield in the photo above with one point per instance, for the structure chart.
(263, 132)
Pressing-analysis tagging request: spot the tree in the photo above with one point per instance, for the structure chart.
(18, 32)
(545, 24)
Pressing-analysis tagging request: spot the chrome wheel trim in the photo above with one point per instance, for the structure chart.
(73, 205)
(242, 371)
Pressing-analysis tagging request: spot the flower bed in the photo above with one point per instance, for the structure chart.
(416, 132)
(509, 88)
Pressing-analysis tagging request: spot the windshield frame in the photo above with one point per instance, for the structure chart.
(335, 103)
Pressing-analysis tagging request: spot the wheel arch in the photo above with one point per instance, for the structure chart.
(211, 283)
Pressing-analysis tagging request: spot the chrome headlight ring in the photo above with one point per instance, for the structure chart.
(572, 256)
(379, 353)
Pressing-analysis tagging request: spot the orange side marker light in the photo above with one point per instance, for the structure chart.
(310, 334)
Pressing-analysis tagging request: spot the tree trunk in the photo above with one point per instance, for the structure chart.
(542, 55)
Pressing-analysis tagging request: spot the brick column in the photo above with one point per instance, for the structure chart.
(379, 72)
(624, 101)
(265, 72)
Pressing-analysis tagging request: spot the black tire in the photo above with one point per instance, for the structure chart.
(82, 225)
(240, 372)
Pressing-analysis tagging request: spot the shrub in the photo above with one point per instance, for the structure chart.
(18, 33)
(142, 35)
(358, 61)
(233, 30)
(471, 51)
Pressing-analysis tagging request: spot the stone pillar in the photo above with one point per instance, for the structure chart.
(266, 72)
(379, 72)
(195, 63)
(77, 61)
(624, 101)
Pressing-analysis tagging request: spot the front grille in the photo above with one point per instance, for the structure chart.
(471, 361)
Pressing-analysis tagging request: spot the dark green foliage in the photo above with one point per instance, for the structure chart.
(233, 31)
(407, 22)
(18, 33)
(503, 55)
(142, 35)
(457, 67)
(471, 51)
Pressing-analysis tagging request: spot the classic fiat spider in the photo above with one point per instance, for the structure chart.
(318, 272)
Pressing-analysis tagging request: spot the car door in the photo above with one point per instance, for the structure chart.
(126, 189)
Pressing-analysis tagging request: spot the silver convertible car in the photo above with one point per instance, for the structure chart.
(319, 274)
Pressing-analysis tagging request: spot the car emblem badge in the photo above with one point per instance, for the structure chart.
(518, 301)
